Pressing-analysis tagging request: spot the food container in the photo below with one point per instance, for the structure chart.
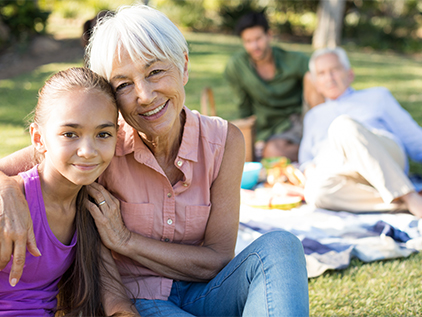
(250, 174)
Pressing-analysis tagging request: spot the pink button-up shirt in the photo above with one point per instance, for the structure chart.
(154, 208)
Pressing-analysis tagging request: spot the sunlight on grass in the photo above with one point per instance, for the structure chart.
(12, 138)
(384, 288)
(19, 97)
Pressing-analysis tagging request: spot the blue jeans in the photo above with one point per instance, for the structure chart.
(268, 278)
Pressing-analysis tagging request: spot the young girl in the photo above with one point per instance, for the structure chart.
(74, 132)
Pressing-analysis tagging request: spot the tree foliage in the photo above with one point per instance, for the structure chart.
(23, 17)
(380, 24)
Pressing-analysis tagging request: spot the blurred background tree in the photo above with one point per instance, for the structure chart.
(379, 24)
(330, 24)
(20, 20)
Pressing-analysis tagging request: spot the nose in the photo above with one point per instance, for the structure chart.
(145, 92)
(87, 148)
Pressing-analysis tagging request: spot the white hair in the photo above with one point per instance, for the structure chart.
(145, 33)
(338, 51)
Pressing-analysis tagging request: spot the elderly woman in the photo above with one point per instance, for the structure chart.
(170, 212)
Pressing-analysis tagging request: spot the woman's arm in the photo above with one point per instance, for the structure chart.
(178, 261)
(16, 232)
(19, 161)
(114, 298)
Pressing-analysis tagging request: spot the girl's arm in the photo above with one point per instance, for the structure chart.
(114, 298)
(178, 261)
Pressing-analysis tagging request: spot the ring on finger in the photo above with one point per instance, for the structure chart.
(102, 203)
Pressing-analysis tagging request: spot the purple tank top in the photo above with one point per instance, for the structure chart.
(35, 294)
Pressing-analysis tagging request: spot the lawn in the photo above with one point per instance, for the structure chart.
(387, 288)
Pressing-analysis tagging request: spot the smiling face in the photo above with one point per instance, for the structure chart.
(78, 137)
(256, 42)
(150, 95)
(331, 78)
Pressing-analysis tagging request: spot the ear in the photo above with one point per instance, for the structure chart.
(185, 69)
(36, 138)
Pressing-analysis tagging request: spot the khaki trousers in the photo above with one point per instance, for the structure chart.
(357, 170)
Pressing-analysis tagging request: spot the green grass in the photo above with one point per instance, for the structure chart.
(385, 288)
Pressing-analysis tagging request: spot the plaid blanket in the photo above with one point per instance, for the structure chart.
(330, 239)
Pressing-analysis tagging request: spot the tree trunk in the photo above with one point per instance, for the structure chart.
(330, 23)
(4, 33)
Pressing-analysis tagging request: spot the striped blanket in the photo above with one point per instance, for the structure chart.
(330, 239)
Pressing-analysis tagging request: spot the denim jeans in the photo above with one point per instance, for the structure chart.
(268, 278)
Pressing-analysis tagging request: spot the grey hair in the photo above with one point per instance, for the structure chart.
(338, 51)
(145, 33)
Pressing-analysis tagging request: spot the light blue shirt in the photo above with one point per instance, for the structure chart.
(375, 108)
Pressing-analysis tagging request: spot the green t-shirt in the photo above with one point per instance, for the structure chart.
(272, 101)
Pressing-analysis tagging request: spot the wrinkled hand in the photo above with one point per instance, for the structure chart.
(107, 216)
(16, 231)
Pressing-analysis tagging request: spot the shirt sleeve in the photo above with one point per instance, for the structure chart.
(245, 103)
(304, 65)
(404, 127)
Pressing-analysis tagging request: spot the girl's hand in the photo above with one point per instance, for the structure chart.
(107, 216)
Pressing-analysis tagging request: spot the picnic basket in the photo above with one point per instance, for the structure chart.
(246, 125)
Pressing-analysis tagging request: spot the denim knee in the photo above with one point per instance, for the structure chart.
(280, 243)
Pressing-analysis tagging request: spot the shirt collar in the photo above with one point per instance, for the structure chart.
(128, 140)
(345, 94)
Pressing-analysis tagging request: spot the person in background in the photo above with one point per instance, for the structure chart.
(355, 145)
(169, 201)
(74, 134)
(271, 84)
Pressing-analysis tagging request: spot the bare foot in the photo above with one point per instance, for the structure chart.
(413, 203)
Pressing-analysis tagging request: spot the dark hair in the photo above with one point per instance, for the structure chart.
(89, 26)
(250, 20)
(80, 287)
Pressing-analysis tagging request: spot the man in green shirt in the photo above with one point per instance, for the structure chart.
(269, 82)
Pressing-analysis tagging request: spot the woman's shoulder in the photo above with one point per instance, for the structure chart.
(211, 128)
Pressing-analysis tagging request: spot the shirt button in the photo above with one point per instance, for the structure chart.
(169, 195)
(179, 163)
(169, 221)
(166, 239)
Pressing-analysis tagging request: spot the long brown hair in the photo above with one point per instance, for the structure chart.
(80, 287)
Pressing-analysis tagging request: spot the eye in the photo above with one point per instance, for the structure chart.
(70, 135)
(104, 135)
(155, 72)
(121, 86)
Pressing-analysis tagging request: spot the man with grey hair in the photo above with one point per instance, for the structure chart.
(355, 145)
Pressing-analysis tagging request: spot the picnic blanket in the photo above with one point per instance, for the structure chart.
(330, 239)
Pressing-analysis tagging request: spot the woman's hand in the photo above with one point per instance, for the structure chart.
(107, 216)
(16, 231)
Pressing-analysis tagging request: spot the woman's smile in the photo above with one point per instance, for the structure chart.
(155, 113)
